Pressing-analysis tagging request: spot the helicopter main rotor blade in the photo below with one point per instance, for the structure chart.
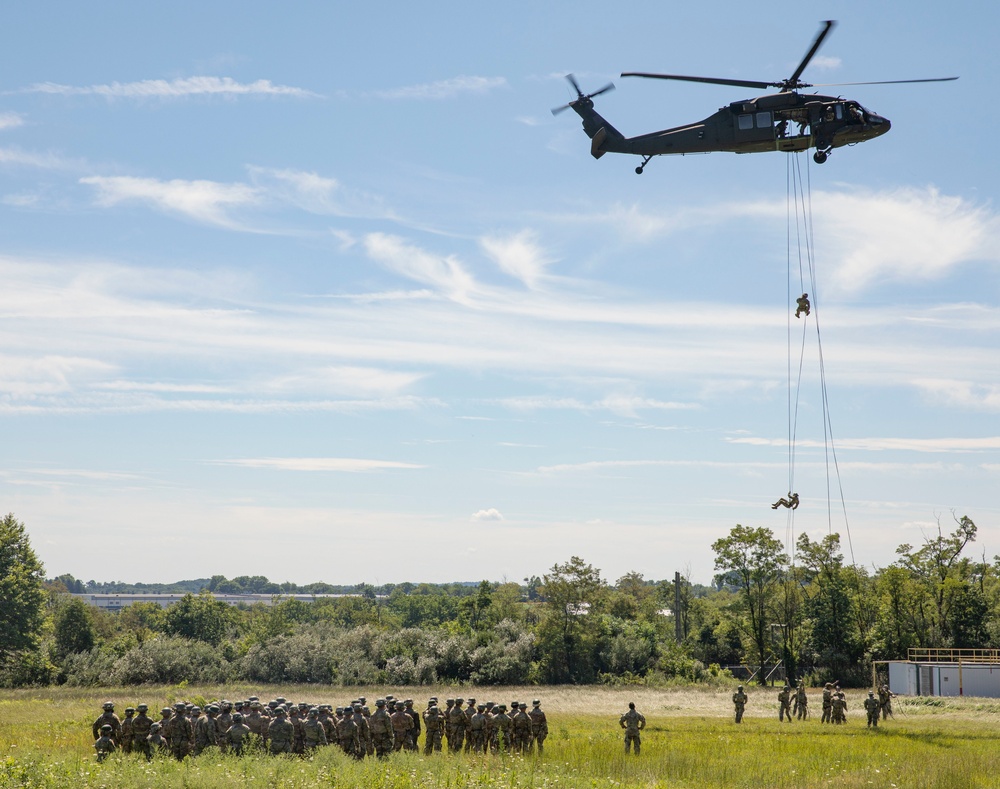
(884, 82)
(738, 83)
(793, 81)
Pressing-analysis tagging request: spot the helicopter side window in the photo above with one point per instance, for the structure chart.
(745, 122)
(838, 110)
(763, 120)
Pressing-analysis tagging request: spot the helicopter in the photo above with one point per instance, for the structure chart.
(784, 121)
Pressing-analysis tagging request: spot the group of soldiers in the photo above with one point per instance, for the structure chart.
(796, 703)
(281, 726)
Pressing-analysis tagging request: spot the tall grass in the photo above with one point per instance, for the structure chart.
(690, 741)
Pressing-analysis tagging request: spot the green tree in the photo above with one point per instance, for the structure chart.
(834, 637)
(74, 631)
(570, 631)
(22, 596)
(201, 617)
(752, 559)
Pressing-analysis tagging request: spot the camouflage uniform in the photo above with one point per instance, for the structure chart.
(446, 714)
(205, 733)
(155, 742)
(885, 701)
(872, 707)
(785, 704)
(280, 733)
(477, 730)
(108, 718)
(402, 725)
(222, 723)
(104, 745)
(313, 734)
(126, 741)
(348, 736)
(414, 734)
(740, 703)
(364, 731)
(539, 726)
(522, 729)
(827, 702)
(179, 733)
(633, 722)
(505, 730)
(237, 735)
(801, 701)
(469, 711)
(380, 726)
(433, 726)
(140, 731)
(839, 708)
(456, 727)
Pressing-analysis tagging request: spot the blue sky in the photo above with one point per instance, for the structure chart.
(327, 293)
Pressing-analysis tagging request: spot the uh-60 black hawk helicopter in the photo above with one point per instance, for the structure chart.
(783, 121)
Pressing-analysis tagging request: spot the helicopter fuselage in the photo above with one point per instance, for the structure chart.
(786, 121)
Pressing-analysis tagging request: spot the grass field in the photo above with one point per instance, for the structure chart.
(690, 741)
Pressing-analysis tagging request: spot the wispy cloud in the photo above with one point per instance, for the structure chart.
(10, 120)
(887, 444)
(208, 202)
(492, 514)
(518, 255)
(444, 89)
(445, 273)
(351, 465)
(173, 89)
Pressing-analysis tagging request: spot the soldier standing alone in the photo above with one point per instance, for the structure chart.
(633, 722)
(740, 703)
(872, 707)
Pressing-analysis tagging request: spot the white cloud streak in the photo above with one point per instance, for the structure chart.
(208, 202)
(173, 89)
(444, 89)
(350, 465)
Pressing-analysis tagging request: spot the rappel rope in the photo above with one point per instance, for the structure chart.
(801, 243)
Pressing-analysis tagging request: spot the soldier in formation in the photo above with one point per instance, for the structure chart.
(633, 722)
(739, 703)
(105, 744)
(281, 727)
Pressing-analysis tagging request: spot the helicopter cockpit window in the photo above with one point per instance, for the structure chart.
(746, 122)
(763, 120)
(838, 110)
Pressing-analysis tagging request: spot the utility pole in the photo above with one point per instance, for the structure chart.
(678, 630)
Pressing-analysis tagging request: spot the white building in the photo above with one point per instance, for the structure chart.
(946, 672)
(116, 602)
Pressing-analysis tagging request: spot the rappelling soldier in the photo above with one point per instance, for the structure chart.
(803, 305)
(792, 502)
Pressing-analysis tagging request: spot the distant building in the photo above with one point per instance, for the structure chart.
(116, 602)
(946, 672)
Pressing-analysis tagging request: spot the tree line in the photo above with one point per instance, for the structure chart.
(805, 609)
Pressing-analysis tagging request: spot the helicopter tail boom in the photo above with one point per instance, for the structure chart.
(603, 136)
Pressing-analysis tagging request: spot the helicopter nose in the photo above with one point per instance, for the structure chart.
(879, 124)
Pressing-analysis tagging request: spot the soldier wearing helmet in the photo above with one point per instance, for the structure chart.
(108, 717)
(141, 725)
(104, 744)
(539, 726)
(238, 735)
(785, 704)
(739, 703)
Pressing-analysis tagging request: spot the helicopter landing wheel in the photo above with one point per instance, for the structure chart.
(820, 156)
(641, 167)
(638, 170)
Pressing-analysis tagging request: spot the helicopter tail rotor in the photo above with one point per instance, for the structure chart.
(580, 95)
